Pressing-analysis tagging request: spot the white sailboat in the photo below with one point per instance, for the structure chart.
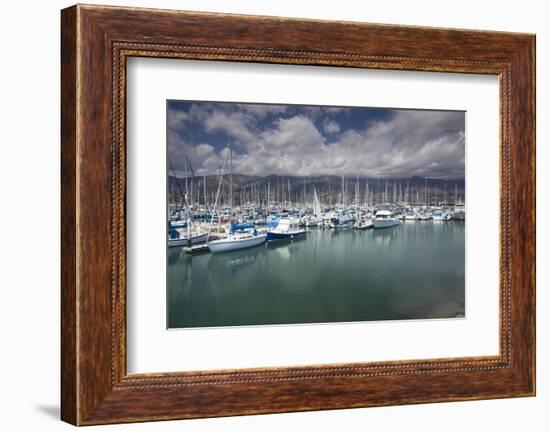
(237, 241)
(316, 218)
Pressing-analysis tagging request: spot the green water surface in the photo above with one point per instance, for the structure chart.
(412, 271)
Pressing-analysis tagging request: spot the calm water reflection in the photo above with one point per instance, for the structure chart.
(412, 271)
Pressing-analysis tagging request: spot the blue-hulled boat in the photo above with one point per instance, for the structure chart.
(287, 228)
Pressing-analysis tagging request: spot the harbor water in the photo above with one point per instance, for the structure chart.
(411, 271)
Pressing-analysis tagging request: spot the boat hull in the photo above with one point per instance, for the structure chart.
(340, 226)
(384, 224)
(363, 225)
(459, 215)
(178, 223)
(272, 236)
(224, 245)
(181, 242)
(313, 223)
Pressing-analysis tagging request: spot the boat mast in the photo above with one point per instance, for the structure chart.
(357, 190)
(183, 197)
(343, 197)
(231, 175)
(400, 192)
(289, 197)
(426, 190)
(220, 184)
(192, 191)
(204, 188)
(186, 183)
(283, 194)
(456, 194)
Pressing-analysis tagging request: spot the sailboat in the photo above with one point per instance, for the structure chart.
(184, 240)
(316, 218)
(240, 237)
(178, 238)
(459, 212)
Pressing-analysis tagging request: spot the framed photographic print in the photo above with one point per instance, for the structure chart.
(267, 215)
(272, 216)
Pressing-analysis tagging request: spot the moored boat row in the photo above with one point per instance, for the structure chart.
(195, 237)
(227, 226)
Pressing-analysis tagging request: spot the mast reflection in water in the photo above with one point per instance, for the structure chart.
(413, 271)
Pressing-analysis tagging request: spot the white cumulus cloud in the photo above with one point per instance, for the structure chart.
(307, 141)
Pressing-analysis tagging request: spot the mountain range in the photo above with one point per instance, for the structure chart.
(328, 187)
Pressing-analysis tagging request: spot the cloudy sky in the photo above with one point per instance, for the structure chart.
(313, 140)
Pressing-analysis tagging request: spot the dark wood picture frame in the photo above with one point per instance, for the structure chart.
(95, 43)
